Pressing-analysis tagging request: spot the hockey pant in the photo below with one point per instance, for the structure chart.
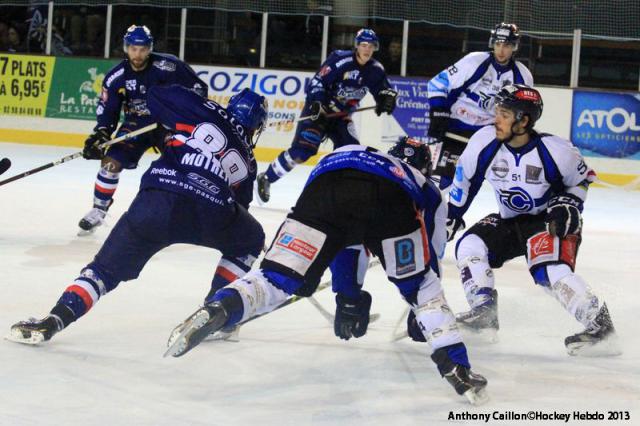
(157, 219)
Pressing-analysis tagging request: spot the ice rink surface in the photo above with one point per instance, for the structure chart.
(287, 368)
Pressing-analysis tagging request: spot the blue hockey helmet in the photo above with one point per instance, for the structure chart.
(137, 35)
(505, 33)
(414, 153)
(251, 110)
(366, 35)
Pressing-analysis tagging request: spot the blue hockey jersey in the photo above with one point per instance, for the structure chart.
(122, 86)
(341, 82)
(208, 154)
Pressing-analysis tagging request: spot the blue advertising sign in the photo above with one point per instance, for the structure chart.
(412, 107)
(606, 124)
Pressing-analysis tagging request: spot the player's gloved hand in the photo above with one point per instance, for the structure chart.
(563, 215)
(454, 224)
(91, 149)
(386, 101)
(352, 315)
(317, 111)
(413, 328)
(438, 122)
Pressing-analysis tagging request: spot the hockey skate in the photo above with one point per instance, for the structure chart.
(469, 384)
(34, 331)
(195, 329)
(483, 319)
(263, 188)
(599, 339)
(92, 220)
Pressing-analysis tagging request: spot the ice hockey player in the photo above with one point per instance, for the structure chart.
(343, 80)
(541, 183)
(195, 193)
(355, 195)
(461, 96)
(127, 84)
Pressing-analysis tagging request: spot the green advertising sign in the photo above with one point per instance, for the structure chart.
(76, 87)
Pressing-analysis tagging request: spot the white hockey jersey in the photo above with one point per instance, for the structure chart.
(469, 86)
(523, 179)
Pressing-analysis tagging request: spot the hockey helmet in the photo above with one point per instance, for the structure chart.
(138, 35)
(366, 35)
(251, 110)
(522, 100)
(414, 153)
(505, 33)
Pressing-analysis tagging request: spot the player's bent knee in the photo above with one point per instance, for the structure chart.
(551, 258)
(470, 246)
(301, 154)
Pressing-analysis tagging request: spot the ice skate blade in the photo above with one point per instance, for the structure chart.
(178, 344)
(477, 397)
(224, 336)
(85, 232)
(604, 348)
(18, 336)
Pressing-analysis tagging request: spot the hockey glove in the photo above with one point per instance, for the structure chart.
(91, 150)
(563, 215)
(317, 112)
(438, 122)
(352, 315)
(454, 224)
(386, 101)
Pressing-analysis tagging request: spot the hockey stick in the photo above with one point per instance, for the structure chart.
(67, 158)
(456, 137)
(5, 163)
(330, 115)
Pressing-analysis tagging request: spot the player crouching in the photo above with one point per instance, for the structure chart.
(541, 183)
(355, 195)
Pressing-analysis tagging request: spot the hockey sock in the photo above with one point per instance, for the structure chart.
(232, 303)
(229, 269)
(282, 165)
(576, 297)
(446, 358)
(106, 184)
(80, 296)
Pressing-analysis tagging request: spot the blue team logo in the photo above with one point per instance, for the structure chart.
(405, 256)
(516, 199)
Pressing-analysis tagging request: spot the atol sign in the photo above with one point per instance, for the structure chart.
(606, 123)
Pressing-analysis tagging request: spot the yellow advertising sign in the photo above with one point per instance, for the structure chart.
(25, 82)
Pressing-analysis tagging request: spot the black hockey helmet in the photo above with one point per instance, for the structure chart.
(414, 153)
(505, 33)
(522, 100)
